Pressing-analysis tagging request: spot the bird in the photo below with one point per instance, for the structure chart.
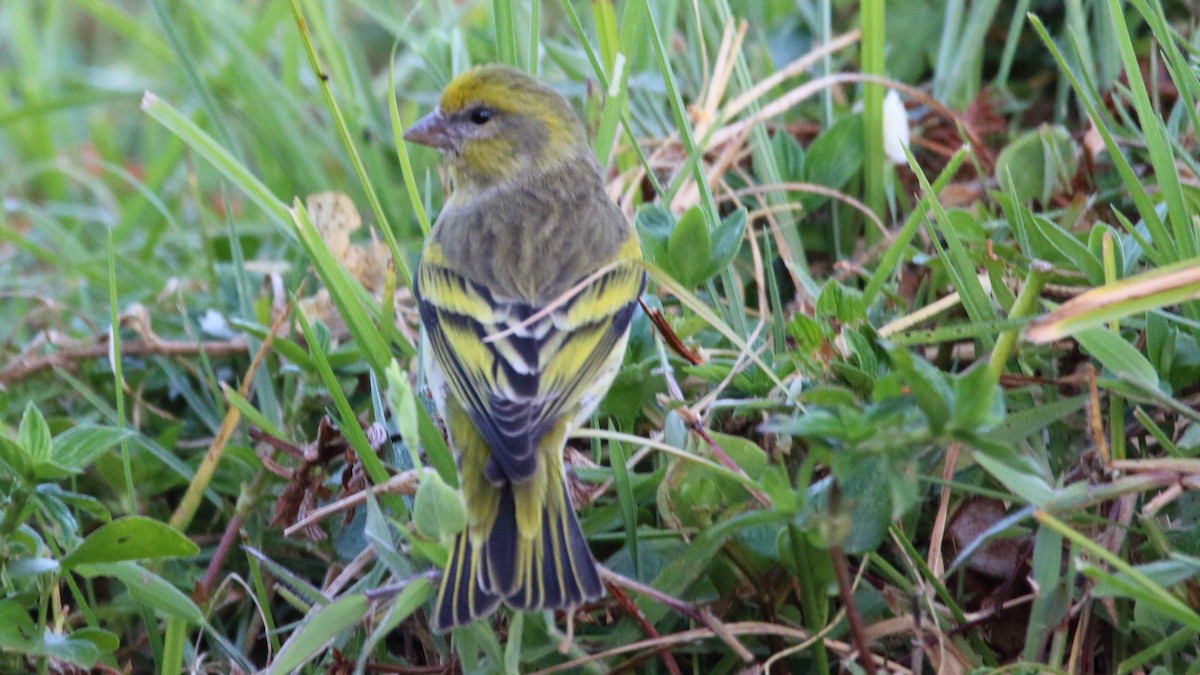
(526, 287)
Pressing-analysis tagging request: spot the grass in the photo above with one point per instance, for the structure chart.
(935, 414)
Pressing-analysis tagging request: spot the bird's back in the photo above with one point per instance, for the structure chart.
(551, 230)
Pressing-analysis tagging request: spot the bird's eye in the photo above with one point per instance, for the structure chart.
(481, 115)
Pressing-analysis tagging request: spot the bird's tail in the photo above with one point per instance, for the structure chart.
(462, 597)
(551, 570)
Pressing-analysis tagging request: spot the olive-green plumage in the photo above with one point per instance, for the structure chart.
(526, 288)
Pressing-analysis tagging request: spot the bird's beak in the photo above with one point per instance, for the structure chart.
(431, 130)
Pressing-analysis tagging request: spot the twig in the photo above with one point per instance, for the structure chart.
(648, 628)
(401, 483)
(21, 369)
(841, 570)
(714, 624)
(756, 628)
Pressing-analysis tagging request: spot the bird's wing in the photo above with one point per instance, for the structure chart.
(517, 375)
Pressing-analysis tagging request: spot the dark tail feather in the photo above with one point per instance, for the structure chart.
(462, 597)
(558, 573)
(502, 546)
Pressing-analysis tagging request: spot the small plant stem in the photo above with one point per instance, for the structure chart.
(841, 570)
(1040, 272)
(1116, 404)
(813, 604)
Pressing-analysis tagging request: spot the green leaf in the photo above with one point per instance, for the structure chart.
(82, 653)
(1165, 573)
(18, 632)
(689, 249)
(317, 629)
(75, 449)
(928, 386)
(1039, 162)
(380, 535)
(34, 435)
(131, 538)
(1070, 248)
(751, 458)
(149, 589)
(789, 155)
(840, 302)
(1018, 474)
(438, 510)
(978, 400)
(834, 157)
(727, 240)
(654, 225)
(106, 641)
(13, 456)
(1019, 426)
(867, 500)
(1117, 355)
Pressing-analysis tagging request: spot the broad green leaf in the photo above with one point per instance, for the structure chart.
(131, 538)
(106, 641)
(380, 535)
(744, 452)
(1039, 162)
(834, 157)
(18, 632)
(928, 386)
(1117, 355)
(438, 510)
(1070, 248)
(1020, 425)
(75, 449)
(1165, 573)
(34, 435)
(866, 498)
(13, 456)
(689, 249)
(978, 400)
(1019, 475)
(82, 653)
(727, 239)
(149, 589)
(654, 225)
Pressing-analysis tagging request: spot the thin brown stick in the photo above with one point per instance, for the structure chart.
(755, 628)
(648, 628)
(705, 617)
(841, 570)
(23, 368)
(949, 465)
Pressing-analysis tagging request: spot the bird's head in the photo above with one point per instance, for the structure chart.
(494, 123)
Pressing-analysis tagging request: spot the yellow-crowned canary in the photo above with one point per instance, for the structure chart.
(526, 288)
